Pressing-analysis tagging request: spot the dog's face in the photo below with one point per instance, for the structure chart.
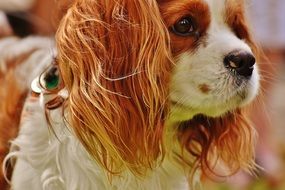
(215, 68)
(131, 66)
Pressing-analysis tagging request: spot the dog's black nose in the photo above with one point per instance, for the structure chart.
(242, 62)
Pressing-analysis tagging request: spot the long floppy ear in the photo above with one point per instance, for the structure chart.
(113, 57)
(229, 140)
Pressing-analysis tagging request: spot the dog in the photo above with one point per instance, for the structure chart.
(137, 95)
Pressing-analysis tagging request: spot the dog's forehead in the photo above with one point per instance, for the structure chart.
(218, 8)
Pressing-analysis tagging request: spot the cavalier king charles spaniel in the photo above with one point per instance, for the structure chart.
(135, 95)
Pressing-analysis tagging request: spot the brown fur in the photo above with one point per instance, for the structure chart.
(172, 11)
(115, 59)
(48, 15)
(120, 122)
(12, 98)
(229, 139)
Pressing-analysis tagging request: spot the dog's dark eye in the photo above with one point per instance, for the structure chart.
(184, 27)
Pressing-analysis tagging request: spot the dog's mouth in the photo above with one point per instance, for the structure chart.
(206, 111)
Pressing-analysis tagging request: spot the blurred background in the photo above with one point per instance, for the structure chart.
(267, 21)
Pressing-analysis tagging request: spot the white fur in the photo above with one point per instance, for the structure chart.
(41, 50)
(206, 67)
(12, 47)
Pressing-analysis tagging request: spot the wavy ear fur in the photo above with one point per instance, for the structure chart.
(114, 60)
(229, 140)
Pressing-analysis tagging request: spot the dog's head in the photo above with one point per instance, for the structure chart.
(215, 65)
(136, 70)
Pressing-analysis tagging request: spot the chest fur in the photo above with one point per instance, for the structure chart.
(55, 159)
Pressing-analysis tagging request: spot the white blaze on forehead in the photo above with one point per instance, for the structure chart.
(218, 14)
(217, 9)
(220, 35)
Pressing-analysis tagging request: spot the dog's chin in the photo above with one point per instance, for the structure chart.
(181, 113)
(216, 106)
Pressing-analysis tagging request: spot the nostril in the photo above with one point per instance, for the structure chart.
(233, 61)
(241, 62)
